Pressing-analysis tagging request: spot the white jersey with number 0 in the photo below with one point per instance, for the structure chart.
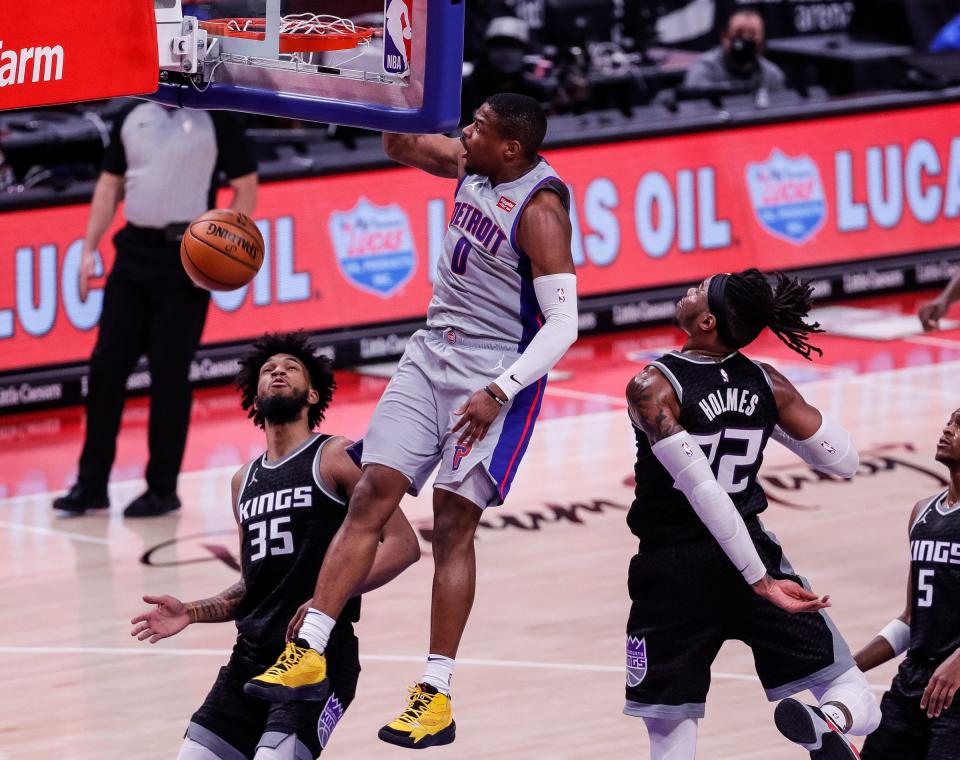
(484, 285)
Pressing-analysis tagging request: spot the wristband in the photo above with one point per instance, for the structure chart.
(897, 634)
(493, 395)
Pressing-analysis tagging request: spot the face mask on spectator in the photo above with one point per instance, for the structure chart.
(743, 52)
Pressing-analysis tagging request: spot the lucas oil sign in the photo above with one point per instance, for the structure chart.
(360, 248)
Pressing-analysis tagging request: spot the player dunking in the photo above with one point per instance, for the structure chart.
(707, 571)
(288, 505)
(504, 297)
(921, 721)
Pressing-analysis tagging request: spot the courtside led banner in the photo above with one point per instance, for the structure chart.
(359, 248)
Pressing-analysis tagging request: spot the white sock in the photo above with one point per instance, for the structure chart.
(316, 629)
(672, 739)
(439, 672)
(851, 690)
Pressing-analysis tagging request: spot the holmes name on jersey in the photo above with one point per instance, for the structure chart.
(276, 501)
(729, 400)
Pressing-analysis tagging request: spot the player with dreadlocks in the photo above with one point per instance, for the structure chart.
(288, 505)
(707, 571)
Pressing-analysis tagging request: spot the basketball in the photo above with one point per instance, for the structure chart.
(222, 250)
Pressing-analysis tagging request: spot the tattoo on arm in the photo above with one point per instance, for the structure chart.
(653, 405)
(219, 608)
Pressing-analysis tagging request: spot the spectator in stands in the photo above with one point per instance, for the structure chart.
(165, 164)
(501, 68)
(737, 62)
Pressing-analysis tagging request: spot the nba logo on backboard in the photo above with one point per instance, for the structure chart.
(397, 36)
(374, 247)
(636, 660)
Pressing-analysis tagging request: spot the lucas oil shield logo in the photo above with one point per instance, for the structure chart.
(332, 712)
(374, 247)
(636, 660)
(787, 196)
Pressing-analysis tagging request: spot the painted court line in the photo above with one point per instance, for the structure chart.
(54, 532)
(483, 663)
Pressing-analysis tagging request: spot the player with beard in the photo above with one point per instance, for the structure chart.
(921, 721)
(707, 571)
(288, 504)
(466, 393)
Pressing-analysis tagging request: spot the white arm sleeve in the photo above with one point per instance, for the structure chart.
(557, 296)
(830, 450)
(683, 458)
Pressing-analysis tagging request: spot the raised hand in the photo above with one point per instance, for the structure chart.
(168, 618)
(931, 313)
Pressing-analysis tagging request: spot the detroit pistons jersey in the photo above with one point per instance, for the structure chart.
(935, 579)
(288, 517)
(484, 285)
(728, 407)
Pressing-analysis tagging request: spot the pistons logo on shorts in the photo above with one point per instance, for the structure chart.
(458, 454)
(636, 660)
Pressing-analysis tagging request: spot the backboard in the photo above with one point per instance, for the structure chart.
(379, 64)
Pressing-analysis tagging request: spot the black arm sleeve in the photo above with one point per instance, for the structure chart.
(114, 155)
(235, 157)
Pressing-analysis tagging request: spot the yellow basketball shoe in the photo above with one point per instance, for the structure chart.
(427, 721)
(300, 674)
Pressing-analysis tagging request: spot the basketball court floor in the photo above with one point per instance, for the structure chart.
(540, 672)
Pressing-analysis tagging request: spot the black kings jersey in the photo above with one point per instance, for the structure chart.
(935, 579)
(287, 520)
(728, 408)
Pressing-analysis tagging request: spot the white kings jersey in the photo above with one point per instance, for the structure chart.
(484, 285)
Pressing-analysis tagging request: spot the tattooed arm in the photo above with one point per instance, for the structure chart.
(655, 409)
(170, 615)
(653, 405)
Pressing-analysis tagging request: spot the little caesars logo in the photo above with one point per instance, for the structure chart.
(787, 196)
(374, 247)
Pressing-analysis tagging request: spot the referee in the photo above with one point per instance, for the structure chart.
(165, 164)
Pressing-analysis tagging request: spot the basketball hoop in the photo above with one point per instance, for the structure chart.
(299, 32)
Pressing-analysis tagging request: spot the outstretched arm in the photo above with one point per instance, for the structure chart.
(931, 312)
(820, 442)
(654, 408)
(170, 615)
(435, 154)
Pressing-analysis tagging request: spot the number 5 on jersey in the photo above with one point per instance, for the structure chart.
(265, 534)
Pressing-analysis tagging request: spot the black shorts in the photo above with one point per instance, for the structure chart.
(688, 599)
(231, 724)
(905, 732)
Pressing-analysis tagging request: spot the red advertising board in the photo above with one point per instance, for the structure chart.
(355, 249)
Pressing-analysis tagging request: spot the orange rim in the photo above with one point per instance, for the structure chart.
(314, 42)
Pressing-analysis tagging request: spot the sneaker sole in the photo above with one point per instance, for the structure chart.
(445, 736)
(794, 722)
(275, 693)
(81, 510)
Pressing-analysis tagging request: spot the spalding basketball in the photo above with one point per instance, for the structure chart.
(222, 250)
